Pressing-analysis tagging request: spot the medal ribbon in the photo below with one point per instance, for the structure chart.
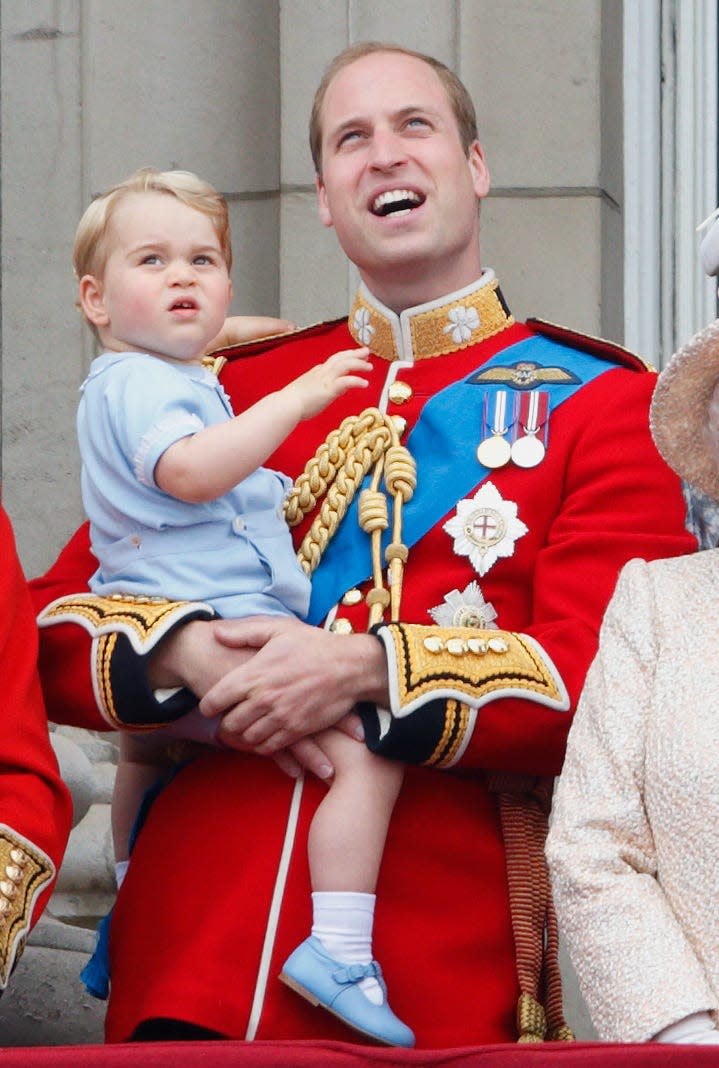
(443, 476)
(499, 423)
(533, 411)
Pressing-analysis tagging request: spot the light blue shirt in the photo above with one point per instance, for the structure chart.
(234, 552)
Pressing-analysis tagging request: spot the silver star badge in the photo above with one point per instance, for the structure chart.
(465, 609)
(485, 528)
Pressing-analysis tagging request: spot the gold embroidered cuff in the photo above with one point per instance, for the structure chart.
(24, 871)
(466, 665)
(125, 630)
(143, 620)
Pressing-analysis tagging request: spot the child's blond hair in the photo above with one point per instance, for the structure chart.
(91, 249)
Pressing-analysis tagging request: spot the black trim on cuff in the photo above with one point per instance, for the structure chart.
(412, 739)
(134, 699)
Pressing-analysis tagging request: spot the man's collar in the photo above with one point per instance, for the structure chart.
(453, 322)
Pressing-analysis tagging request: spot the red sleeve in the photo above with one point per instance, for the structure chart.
(65, 648)
(34, 803)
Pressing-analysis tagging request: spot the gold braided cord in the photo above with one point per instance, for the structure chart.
(322, 468)
(373, 522)
(364, 442)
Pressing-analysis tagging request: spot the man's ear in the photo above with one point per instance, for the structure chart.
(323, 208)
(92, 300)
(480, 170)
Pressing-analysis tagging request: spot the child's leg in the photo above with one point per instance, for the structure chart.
(142, 761)
(335, 967)
(345, 846)
(348, 831)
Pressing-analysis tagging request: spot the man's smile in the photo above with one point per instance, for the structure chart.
(396, 201)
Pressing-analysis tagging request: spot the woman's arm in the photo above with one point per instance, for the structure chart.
(636, 969)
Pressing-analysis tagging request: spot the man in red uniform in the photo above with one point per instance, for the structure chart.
(35, 806)
(509, 475)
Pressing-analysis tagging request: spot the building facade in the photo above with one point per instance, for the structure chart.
(599, 123)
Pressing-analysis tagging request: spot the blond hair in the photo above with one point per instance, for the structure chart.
(91, 248)
(456, 91)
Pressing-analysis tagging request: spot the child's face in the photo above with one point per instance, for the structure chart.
(165, 288)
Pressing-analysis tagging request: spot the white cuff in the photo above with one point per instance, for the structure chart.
(121, 867)
(692, 1030)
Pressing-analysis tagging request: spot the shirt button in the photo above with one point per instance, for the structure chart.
(353, 596)
(400, 424)
(341, 626)
(238, 525)
(399, 392)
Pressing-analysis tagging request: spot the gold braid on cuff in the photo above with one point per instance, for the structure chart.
(24, 871)
(144, 622)
(470, 665)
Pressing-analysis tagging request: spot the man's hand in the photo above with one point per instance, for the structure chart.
(239, 328)
(203, 653)
(308, 755)
(300, 680)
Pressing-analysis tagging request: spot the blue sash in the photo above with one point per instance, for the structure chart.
(447, 469)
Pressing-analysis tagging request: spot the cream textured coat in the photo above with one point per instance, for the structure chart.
(634, 844)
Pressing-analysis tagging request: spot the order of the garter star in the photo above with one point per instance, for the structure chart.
(485, 528)
(465, 609)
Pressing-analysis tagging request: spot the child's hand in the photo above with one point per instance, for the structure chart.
(324, 383)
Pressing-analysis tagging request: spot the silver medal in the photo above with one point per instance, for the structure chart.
(494, 451)
(528, 451)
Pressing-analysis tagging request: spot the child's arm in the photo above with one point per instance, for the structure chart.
(203, 466)
(240, 328)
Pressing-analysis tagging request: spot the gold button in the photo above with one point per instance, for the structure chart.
(353, 596)
(341, 626)
(400, 424)
(399, 392)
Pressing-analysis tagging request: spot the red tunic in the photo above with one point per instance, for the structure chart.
(35, 806)
(189, 926)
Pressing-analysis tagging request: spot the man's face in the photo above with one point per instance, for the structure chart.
(396, 184)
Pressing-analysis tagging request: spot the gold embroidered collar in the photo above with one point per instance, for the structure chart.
(441, 326)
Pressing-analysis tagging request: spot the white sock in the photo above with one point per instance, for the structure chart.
(342, 921)
(121, 867)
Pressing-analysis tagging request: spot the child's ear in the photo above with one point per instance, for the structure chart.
(92, 300)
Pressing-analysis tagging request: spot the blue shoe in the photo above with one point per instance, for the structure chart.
(332, 983)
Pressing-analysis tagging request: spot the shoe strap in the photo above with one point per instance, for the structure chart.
(353, 973)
